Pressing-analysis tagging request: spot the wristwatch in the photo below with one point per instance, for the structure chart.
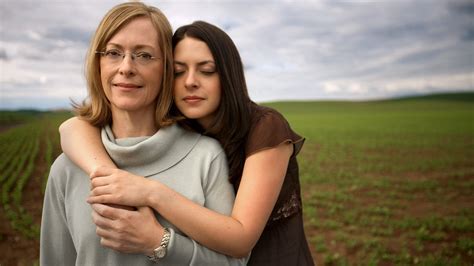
(160, 251)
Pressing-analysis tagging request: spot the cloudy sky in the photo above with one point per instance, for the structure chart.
(292, 50)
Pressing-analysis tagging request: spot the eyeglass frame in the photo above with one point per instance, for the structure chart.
(133, 55)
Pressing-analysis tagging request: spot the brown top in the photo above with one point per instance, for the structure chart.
(268, 130)
(283, 241)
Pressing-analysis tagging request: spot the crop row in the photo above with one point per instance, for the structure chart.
(21, 166)
(28, 153)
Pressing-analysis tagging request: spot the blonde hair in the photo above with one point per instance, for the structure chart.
(96, 109)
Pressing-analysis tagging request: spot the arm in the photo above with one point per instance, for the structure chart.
(219, 198)
(56, 245)
(234, 235)
(74, 132)
(138, 231)
(81, 142)
(237, 234)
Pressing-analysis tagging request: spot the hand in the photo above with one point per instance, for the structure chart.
(127, 231)
(115, 186)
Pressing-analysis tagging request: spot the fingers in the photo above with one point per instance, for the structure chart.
(109, 200)
(110, 243)
(113, 233)
(102, 190)
(101, 221)
(107, 211)
(113, 211)
(102, 171)
(127, 233)
(111, 239)
(98, 199)
(101, 195)
(100, 181)
(119, 245)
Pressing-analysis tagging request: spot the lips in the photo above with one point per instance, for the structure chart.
(127, 86)
(192, 99)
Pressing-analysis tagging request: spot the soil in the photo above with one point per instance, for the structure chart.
(15, 248)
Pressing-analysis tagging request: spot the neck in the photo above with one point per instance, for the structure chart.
(128, 124)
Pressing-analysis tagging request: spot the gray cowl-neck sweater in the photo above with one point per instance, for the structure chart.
(191, 164)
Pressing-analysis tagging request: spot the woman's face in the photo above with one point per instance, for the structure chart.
(197, 89)
(132, 83)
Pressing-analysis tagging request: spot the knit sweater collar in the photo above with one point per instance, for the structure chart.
(148, 156)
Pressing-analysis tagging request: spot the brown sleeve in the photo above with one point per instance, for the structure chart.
(269, 131)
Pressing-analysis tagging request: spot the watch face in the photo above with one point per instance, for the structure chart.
(160, 252)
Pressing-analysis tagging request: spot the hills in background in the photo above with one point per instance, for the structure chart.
(7, 116)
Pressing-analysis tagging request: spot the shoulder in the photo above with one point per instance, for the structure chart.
(267, 116)
(209, 145)
(267, 121)
(269, 129)
(260, 111)
(59, 176)
(62, 167)
(61, 163)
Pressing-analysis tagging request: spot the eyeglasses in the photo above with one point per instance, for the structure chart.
(115, 56)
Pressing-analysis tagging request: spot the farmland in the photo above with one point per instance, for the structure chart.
(388, 182)
(383, 182)
(29, 143)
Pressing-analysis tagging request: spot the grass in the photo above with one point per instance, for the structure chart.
(388, 182)
(383, 182)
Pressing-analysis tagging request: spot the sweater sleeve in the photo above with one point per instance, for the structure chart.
(56, 244)
(182, 250)
(219, 197)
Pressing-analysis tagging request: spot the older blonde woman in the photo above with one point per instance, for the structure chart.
(129, 78)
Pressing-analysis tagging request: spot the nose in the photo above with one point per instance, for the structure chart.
(191, 81)
(127, 66)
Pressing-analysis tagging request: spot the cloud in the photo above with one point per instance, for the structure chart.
(462, 7)
(3, 55)
(290, 49)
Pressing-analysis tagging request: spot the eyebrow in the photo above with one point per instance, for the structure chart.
(139, 46)
(199, 64)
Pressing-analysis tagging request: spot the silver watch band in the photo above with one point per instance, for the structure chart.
(160, 252)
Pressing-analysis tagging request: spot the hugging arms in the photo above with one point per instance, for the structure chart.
(209, 97)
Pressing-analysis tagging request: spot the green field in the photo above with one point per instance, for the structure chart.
(388, 182)
(29, 142)
(383, 182)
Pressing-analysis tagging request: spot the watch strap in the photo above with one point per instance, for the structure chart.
(160, 252)
(165, 240)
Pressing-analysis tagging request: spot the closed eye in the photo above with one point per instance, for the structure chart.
(178, 72)
(208, 72)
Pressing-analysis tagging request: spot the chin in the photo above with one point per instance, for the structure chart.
(191, 115)
(129, 106)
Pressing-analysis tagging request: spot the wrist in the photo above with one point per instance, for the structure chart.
(155, 194)
(154, 242)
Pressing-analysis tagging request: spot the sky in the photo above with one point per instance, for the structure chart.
(292, 50)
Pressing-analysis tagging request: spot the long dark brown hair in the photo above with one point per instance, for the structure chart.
(233, 116)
